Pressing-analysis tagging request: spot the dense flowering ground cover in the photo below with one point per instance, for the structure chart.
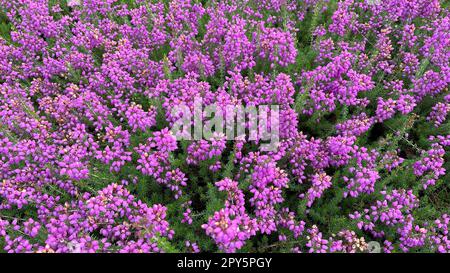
(88, 164)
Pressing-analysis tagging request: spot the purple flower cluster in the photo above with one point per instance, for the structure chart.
(87, 90)
(396, 211)
(155, 161)
(113, 212)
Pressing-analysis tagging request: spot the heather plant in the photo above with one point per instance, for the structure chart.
(89, 161)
